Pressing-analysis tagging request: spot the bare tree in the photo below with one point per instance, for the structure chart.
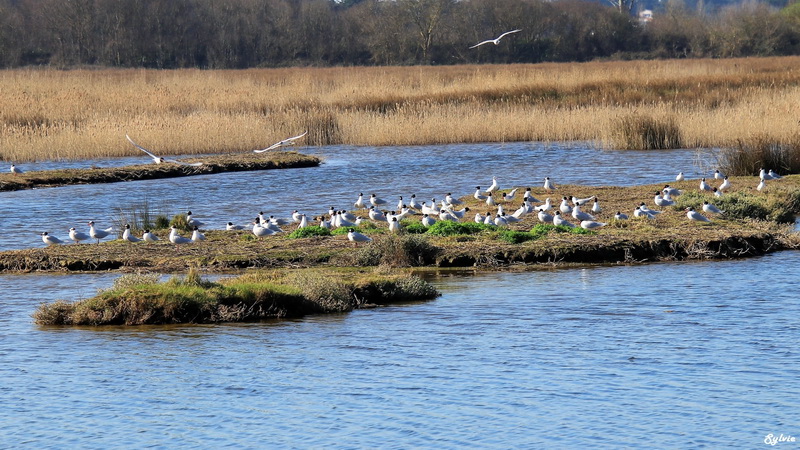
(426, 16)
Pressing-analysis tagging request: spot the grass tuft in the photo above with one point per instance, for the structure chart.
(647, 133)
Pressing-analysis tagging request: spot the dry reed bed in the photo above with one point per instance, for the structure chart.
(671, 236)
(86, 113)
(215, 164)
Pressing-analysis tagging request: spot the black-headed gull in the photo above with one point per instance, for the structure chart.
(496, 40)
(231, 227)
(414, 203)
(197, 235)
(98, 234)
(620, 216)
(283, 143)
(175, 238)
(718, 175)
(544, 217)
(394, 225)
(376, 214)
(428, 220)
(260, 231)
(376, 201)
(490, 199)
(774, 175)
(726, 184)
(703, 185)
(529, 196)
(500, 221)
(493, 187)
(400, 204)
(659, 200)
(591, 224)
(711, 209)
(639, 212)
(548, 185)
(762, 185)
(192, 222)
(581, 215)
(50, 240)
(679, 177)
(159, 159)
(149, 237)
(596, 206)
(360, 202)
(564, 207)
(356, 237)
(696, 216)
(452, 200)
(127, 236)
(671, 191)
(762, 173)
(296, 216)
(558, 220)
(77, 236)
(581, 201)
(510, 196)
(477, 195)
(16, 170)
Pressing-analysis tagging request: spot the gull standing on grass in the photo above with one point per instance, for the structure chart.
(725, 185)
(197, 235)
(696, 216)
(175, 238)
(679, 177)
(548, 185)
(98, 234)
(159, 159)
(711, 209)
(496, 40)
(16, 170)
(283, 143)
(127, 236)
(356, 237)
(77, 236)
(149, 237)
(50, 240)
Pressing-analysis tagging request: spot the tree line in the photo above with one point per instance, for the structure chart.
(221, 34)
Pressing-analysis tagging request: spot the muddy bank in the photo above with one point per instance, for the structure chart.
(229, 252)
(211, 165)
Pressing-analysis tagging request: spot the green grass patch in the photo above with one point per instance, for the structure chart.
(537, 232)
(307, 232)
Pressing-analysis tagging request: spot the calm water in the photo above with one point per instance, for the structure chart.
(663, 355)
(673, 355)
(389, 172)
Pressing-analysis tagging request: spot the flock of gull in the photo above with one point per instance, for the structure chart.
(570, 212)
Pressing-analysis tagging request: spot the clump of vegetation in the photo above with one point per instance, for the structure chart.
(328, 291)
(179, 221)
(135, 279)
(647, 133)
(748, 156)
(448, 228)
(246, 298)
(739, 205)
(538, 232)
(140, 216)
(413, 227)
(307, 232)
(405, 250)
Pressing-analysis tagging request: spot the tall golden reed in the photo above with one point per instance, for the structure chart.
(86, 113)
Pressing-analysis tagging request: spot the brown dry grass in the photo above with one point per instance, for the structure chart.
(86, 113)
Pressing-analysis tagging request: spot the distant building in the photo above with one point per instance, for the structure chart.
(645, 16)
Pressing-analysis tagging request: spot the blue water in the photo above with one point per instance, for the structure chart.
(428, 171)
(668, 355)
